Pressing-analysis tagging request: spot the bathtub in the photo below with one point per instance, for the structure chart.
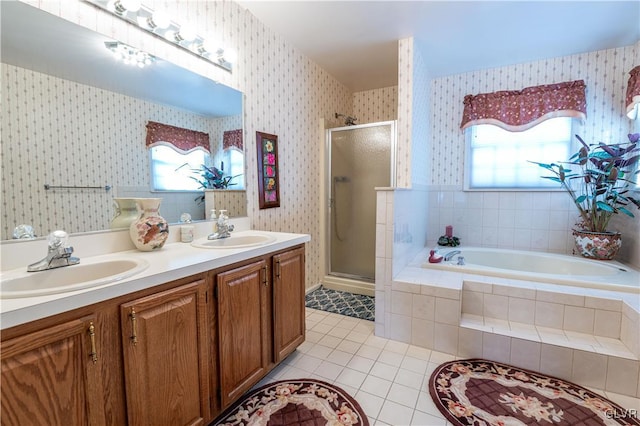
(541, 267)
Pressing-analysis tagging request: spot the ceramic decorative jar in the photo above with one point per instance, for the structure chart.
(597, 245)
(126, 212)
(149, 231)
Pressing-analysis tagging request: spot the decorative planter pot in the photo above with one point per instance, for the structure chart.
(597, 245)
(126, 212)
(149, 231)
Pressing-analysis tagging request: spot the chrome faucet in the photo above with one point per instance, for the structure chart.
(58, 255)
(223, 227)
(450, 255)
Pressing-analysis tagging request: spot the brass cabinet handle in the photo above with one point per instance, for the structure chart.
(92, 335)
(264, 276)
(134, 326)
(277, 269)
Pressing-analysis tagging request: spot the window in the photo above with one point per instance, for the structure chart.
(499, 159)
(234, 166)
(173, 171)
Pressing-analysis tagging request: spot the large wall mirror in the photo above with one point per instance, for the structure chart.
(74, 116)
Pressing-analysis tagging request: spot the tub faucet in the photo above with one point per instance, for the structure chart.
(450, 255)
(223, 227)
(58, 254)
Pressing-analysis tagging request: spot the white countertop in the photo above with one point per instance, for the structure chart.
(174, 261)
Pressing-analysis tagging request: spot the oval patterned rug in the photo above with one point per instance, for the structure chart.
(295, 402)
(481, 392)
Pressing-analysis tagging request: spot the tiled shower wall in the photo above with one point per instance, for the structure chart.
(525, 220)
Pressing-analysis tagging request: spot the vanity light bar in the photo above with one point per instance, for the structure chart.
(160, 24)
(129, 55)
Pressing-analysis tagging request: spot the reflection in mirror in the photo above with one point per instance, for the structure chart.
(74, 116)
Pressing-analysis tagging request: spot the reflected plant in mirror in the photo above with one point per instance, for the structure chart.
(74, 116)
(213, 178)
(217, 193)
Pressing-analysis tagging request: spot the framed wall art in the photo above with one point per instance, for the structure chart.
(268, 174)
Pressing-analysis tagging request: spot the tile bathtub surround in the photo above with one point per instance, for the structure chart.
(389, 378)
(474, 318)
(605, 318)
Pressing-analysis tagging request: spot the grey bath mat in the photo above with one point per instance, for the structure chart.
(343, 303)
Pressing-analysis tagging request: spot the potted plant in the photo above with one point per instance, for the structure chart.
(599, 180)
(211, 178)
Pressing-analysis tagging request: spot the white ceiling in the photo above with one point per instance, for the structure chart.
(356, 41)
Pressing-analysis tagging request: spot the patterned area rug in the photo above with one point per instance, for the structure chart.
(342, 302)
(307, 402)
(481, 392)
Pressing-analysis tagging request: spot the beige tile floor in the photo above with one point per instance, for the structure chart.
(388, 378)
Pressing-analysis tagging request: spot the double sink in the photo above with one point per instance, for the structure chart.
(92, 274)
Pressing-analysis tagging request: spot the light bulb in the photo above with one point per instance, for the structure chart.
(111, 6)
(131, 5)
(121, 7)
(208, 47)
(186, 33)
(159, 20)
(230, 55)
(172, 36)
(143, 22)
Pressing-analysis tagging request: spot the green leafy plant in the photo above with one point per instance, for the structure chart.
(211, 178)
(598, 178)
(448, 241)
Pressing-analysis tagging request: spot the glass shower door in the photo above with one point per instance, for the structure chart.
(360, 159)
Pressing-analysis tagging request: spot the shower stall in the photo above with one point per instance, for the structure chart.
(360, 158)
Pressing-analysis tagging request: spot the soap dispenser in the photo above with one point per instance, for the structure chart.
(213, 217)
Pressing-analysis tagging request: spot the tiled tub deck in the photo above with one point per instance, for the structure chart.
(588, 336)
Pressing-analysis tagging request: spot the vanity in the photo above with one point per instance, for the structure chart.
(176, 343)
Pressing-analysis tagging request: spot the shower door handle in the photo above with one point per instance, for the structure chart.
(331, 203)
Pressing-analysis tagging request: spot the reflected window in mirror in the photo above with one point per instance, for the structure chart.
(172, 170)
(233, 161)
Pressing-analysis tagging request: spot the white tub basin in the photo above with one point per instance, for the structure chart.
(235, 241)
(69, 278)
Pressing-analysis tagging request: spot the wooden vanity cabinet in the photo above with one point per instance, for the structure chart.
(244, 328)
(260, 319)
(288, 302)
(166, 368)
(52, 376)
(177, 353)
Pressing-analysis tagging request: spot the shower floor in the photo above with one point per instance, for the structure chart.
(342, 302)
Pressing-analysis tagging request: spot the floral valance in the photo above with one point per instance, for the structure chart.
(633, 93)
(518, 110)
(185, 140)
(232, 139)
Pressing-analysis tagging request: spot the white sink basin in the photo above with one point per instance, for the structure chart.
(235, 241)
(69, 278)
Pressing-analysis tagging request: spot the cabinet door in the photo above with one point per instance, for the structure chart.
(52, 377)
(165, 357)
(288, 300)
(243, 328)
